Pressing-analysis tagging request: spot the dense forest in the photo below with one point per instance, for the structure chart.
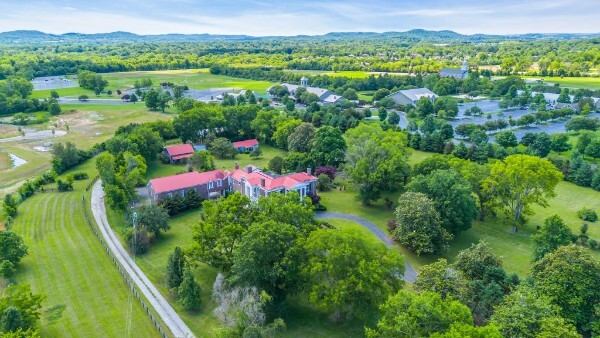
(418, 52)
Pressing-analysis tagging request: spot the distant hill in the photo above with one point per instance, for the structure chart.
(24, 36)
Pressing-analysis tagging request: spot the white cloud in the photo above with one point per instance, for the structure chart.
(267, 17)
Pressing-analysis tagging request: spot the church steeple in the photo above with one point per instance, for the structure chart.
(304, 82)
(464, 66)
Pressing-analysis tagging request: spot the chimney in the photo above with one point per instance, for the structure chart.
(309, 170)
(237, 166)
(262, 182)
(249, 169)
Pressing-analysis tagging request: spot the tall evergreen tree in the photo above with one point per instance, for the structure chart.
(189, 292)
(175, 266)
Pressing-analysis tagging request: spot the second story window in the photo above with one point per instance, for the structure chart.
(219, 183)
(210, 185)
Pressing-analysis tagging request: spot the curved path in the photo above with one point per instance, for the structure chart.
(410, 275)
(160, 304)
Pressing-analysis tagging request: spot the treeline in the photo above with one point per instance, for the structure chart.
(382, 53)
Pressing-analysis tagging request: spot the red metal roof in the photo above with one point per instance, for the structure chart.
(245, 143)
(184, 181)
(271, 183)
(180, 149)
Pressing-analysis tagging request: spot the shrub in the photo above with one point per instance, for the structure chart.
(587, 214)
(80, 175)
(328, 170)
(64, 185)
(574, 238)
(320, 207)
(139, 239)
(593, 243)
(323, 182)
(392, 225)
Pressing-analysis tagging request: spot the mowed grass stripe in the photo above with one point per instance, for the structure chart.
(68, 264)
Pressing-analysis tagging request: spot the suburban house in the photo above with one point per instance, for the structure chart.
(254, 183)
(411, 96)
(246, 145)
(326, 97)
(456, 73)
(210, 184)
(178, 152)
(249, 181)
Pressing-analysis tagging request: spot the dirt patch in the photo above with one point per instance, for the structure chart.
(81, 121)
(8, 131)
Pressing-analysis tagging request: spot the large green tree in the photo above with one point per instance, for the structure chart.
(375, 160)
(283, 130)
(570, 278)
(220, 230)
(223, 148)
(552, 235)
(301, 139)
(12, 247)
(22, 305)
(406, 314)
(441, 278)
(519, 181)
(266, 259)
(419, 226)
(475, 174)
(189, 292)
(525, 313)
(175, 268)
(329, 147)
(154, 217)
(452, 197)
(348, 274)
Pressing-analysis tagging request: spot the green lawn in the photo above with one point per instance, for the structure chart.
(571, 82)
(193, 78)
(353, 74)
(5, 161)
(87, 297)
(158, 169)
(302, 320)
(36, 163)
(88, 125)
(515, 248)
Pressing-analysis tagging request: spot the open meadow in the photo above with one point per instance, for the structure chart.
(87, 125)
(193, 78)
(514, 248)
(86, 295)
(570, 82)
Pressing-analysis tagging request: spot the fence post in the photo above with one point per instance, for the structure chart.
(119, 267)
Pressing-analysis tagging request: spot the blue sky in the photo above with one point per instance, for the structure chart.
(311, 17)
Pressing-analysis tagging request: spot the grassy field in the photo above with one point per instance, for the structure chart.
(36, 164)
(158, 169)
(193, 78)
(88, 125)
(87, 297)
(5, 161)
(353, 74)
(571, 82)
(515, 248)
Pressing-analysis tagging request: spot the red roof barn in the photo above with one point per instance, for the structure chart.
(178, 152)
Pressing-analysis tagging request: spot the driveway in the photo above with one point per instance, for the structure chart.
(158, 302)
(410, 275)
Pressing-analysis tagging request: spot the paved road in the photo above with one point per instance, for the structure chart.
(36, 135)
(410, 275)
(93, 101)
(160, 304)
